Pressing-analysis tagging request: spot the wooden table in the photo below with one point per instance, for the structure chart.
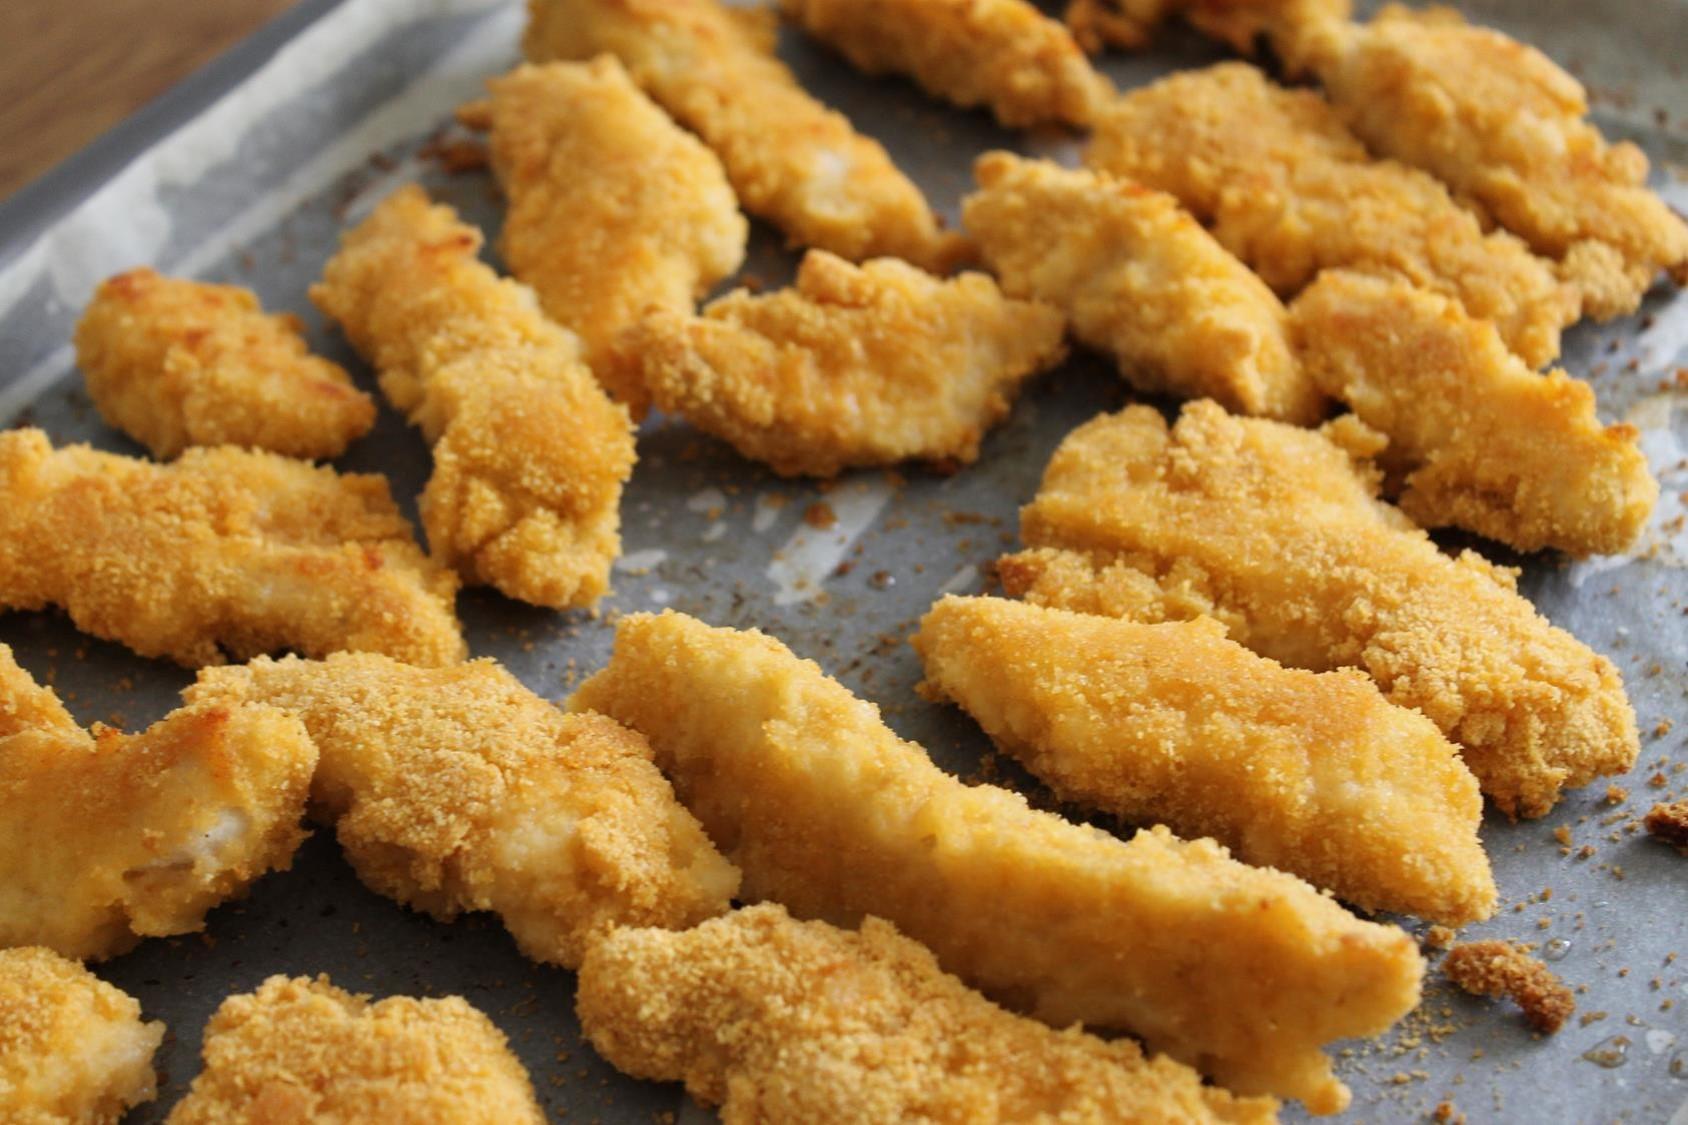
(71, 69)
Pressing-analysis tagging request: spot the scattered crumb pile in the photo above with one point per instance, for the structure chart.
(1501, 968)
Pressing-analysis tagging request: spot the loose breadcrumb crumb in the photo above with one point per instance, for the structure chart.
(1500, 968)
(1670, 824)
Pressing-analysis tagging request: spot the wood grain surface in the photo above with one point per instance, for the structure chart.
(71, 69)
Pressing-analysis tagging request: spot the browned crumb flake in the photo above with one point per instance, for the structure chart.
(1501, 968)
(1670, 824)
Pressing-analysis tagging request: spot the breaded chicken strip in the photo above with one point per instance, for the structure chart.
(1141, 281)
(222, 551)
(458, 789)
(1478, 440)
(303, 1050)
(1289, 190)
(1172, 723)
(1003, 54)
(1242, 972)
(175, 363)
(779, 1020)
(1500, 123)
(793, 161)
(106, 838)
(73, 1049)
(529, 454)
(1288, 25)
(1278, 533)
(613, 207)
(853, 365)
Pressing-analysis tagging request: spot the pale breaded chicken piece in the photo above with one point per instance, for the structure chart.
(779, 1020)
(1278, 533)
(792, 161)
(221, 551)
(73, 1049)
(1242, 972)
(301, 1050)
(1173, 723)
(853, 365)
(1289, 190)
(613, 207)
(1500, 123)
(1477, 439)
(175, 363)
(1002, 54)
(458, 789)
(1141, 281)
(106, 838)
(529, 454)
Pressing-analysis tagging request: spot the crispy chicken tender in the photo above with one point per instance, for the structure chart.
(1290, 26)
(1289, 190)
(1141, 281)
(780, 1020)
(529, 454)
(303, 1050)
(106, 838)
(223, 550)
(792, 160)
(613, 207)
(73, 1049)
(1004, 54)
(1277, 532)
(175, 363)
(1239, 971)
(458, 789)
(1478, 439)
(1501, 124)
(854, 365)
(1312, 773)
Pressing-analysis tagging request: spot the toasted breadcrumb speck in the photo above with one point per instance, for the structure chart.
(1669, 823)
(1501, 968)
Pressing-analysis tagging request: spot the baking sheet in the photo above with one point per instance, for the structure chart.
(255, 191)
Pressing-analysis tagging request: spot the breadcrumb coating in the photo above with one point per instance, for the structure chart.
(222, 551)
(1292, 27)
(174, 363)
(1501, 968)
(1478, 439)
(1241, 972)
(792, 161)
(106, 838)
(458, 789)
(1002, 54)
(779, 1020)
(1668, 823)
(613, 207)
(1277, 533)
(529, 454)
(1501, 124)
(1172, 723)
(1141, 281)
(73, 1049)
(853, 365)
(303, 1050)
(1291, 191)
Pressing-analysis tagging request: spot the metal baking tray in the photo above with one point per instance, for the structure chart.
(248, 173)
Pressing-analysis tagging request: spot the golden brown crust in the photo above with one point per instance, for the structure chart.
(1481, 441)
(780, 1020)
(529, 454)
(1277, 532)
(458, 789)
(1004, 54)
(1501, 968)
(1240, 971)
(221, 551)
(73, 1049)
(1669, 823)
(1173, 723)
(854, 365)
(1141, 281)
(303, 1050)
(174, 363)
(1289, 190)
(106, 838)
(792, 160)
